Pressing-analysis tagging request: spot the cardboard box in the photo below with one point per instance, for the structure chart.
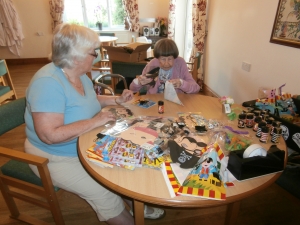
(121, 53)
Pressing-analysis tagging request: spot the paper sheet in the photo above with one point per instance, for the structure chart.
(170, 93)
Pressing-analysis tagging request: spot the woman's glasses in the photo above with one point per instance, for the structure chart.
(95, 54)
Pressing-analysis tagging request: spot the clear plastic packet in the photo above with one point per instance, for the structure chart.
(229, 139)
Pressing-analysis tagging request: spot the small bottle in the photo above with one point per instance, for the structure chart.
(264, 134)
(277, 131)
(264, 114)
(256, 113)
(161, 107)
(275, 123)
(259, 128)
(242, 120)
(249, 120)
(257, 120)
(269, 121)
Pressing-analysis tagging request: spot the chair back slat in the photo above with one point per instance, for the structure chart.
(107, 34)
(3, 69)
(12, 115)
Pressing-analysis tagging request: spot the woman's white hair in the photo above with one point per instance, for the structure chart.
(71, 41)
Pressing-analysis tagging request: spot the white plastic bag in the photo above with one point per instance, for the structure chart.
(170, 93)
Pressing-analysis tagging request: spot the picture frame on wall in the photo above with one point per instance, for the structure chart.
(286, 28)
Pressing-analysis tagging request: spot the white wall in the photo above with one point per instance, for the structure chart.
(35, 17)
(152, 9)
(240, 31)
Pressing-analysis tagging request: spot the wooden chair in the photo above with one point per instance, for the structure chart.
(99, 66)
(7, 90)
(98, 69)
(113, 90)
(129, 70)
(194, 65)
(17, 179)
(103, 50)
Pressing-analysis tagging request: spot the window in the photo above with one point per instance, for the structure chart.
(88, 12)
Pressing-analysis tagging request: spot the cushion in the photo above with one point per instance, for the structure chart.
(4, 90)
(12, 115)
(21, 171)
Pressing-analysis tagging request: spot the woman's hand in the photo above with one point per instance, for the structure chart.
(176, 83)
(102, 118)
(143, 79)
(126, 96)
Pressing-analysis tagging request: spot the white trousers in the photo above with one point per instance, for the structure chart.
(68, 173)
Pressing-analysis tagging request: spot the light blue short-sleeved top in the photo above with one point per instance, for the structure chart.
(50, 91)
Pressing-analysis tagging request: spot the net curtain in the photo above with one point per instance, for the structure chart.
(11, 34)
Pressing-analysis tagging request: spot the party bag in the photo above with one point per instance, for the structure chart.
(170, 93)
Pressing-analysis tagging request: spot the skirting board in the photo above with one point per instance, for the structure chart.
(207, 89)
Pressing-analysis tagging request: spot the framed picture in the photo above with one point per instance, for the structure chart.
(286, 28)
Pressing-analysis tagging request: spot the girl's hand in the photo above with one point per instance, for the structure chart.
(143, 79)
(176, 83)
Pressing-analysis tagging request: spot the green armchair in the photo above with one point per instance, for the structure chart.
(16, 173)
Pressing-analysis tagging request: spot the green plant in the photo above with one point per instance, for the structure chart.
(119, 14)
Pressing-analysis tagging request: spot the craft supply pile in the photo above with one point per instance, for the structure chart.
(191, 151)
(284, 108)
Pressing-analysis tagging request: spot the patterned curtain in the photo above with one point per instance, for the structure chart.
(11, 34)
(199, 34)
(56, 12)
(171, 22)
(132, 9)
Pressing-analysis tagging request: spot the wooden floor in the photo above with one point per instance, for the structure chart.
(270, 207)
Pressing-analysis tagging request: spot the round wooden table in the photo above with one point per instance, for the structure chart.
(107, 40)
(146, 185)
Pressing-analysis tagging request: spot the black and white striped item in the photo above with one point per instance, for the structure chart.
(260, 126)
(264, 134)
(276, 134)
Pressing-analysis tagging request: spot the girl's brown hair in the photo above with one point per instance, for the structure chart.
(165, 47)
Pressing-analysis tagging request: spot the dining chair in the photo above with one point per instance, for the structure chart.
(194, 65)
(99, 68)
(17, 179)
(100, 82)
(7, 90)
(129, 70)
(103, 50)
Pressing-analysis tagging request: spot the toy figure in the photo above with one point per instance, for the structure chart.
(207, 167)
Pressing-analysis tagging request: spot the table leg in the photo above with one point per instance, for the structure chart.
(138, 212)
(232, 213)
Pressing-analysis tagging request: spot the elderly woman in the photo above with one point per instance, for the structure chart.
(62, 105)
(171, 67)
